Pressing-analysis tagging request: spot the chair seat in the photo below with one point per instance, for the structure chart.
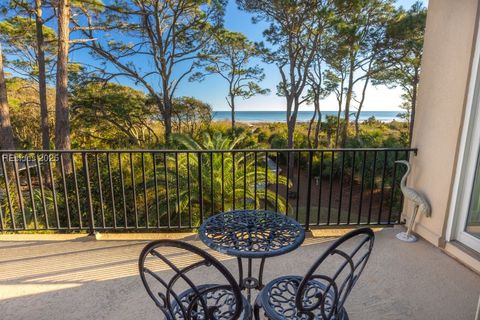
(278, 299)
(221, 298)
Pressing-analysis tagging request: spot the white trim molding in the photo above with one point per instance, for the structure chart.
(468, 150)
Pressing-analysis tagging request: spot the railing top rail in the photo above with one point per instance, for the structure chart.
(207, 151)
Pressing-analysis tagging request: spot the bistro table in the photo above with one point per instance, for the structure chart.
(251, 234)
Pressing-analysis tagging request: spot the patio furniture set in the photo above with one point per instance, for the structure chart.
(173, 271)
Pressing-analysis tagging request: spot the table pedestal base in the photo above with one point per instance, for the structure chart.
(250, 282)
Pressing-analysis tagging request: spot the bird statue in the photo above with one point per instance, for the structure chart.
(420, 203)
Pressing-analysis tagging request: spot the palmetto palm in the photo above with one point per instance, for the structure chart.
(220, 181)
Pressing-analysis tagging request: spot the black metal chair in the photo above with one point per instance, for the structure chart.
(174, 275)
(322, 292)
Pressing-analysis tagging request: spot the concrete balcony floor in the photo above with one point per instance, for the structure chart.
(87, 279)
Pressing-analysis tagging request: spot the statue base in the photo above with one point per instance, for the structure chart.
(403, 236)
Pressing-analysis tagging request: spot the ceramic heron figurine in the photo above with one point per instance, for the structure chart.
(420, 203)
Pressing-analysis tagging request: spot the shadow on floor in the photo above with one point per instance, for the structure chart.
(99, 280)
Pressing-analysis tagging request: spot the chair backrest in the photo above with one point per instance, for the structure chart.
(175, 275)
(326, 286)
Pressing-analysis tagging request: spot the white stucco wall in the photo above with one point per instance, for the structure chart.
(449, 41)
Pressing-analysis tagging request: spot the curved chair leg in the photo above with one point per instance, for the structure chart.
(256, 309)
(344, 315)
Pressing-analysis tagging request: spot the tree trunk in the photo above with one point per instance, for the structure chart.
(291, 124)
(167, 120)
(337, 130)
(291, 120)
(62, 121)
(348, 101)
(6, 132)
(346, 124)
(357, 125)
(292, 110)
(316, 113)
(339, 113)
(290, 136)
(179, 129)
(413, 106)
(360, 106)
(42, 82)
(412, 119)
(232, 106)
(318, 127)
(310, 125)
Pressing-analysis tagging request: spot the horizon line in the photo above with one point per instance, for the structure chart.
(280, 110)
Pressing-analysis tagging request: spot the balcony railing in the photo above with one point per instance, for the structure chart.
(177, 189)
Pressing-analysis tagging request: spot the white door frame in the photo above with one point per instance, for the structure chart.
(468, 154)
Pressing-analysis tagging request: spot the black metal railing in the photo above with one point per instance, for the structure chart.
(177, 189)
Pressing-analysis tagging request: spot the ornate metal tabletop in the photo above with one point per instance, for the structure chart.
(252, 233)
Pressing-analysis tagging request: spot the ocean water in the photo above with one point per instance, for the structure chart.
(303, 116)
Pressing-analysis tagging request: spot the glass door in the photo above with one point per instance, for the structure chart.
(468, 208)
(472, 223)
(466, 222)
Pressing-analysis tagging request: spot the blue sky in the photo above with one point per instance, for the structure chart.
(213, 89)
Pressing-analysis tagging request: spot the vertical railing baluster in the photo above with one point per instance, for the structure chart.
(145, 196)
(200, 186)
(91, 220)
(54, 192)
(112, 191)
(255, 159)
(392, 188)
(382, 188)
(30, 190)
(244, 180)
(100, 190)
(372, 186)
(77, 193)
(329, 212)
(309, 190)
(134, 190)
(342, 169)
(167, 199)
(190, 219)
(3, 227)
(298, 186)
(42, 190)
(234, 197)
(320, 183)
(288, 184)
(122, 185)
(7, 191)
(65, 191)
(407, 158)
(352, 181)
(155, 184)
(223, 181)
(266, 180)
(177, 194)
(362, 187)
(276, 183)
(19, 190)
(212, 196)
